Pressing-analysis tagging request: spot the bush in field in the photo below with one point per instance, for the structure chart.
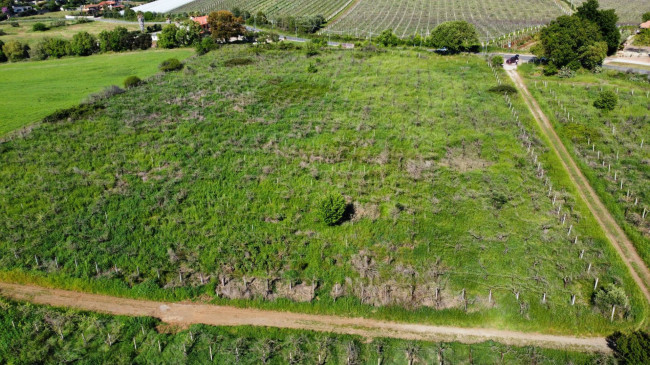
(167, 38)
(550, 70)
(206, 45)
(51, 47)
(456, 36)
(3, 58)
(607, 100)
(104, 94)
(171, 64)
(238, 62)
(141, 41)
(496, 61)
(83, 44)
(388, 39)
(39, 27)
(633, 348)
(15, 51)
(609, 296)
(504, 89)
(131, 82)
(312, 69)
(566, 72)
(332, 208)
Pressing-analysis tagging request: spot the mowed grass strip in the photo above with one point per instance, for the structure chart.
(32, 90)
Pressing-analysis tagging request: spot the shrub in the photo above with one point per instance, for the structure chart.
(550, 70)
(497, 61)
(566, 72)
(131, 82)
(2, 32)
(633, 348)
(504, 89)
(104, 94)
(15, 51)
(609, 296)
(51, 47)
(312, 69)
(238, 62)
(607, 100)
(39, 27)
(388, 39)
(58, 23)
(171, 64)
(206, 45)
(83, 44)
(14, 24)
(332, 208)
(74, 113)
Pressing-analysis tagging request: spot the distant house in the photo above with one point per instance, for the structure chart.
(96, 8)
(21, 9)
(203, 22)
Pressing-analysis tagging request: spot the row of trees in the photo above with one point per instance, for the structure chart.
(81, 44)
(583, 39)
(455, 36)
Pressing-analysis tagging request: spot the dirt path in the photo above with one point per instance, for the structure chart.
(615, 234)
(191, 313)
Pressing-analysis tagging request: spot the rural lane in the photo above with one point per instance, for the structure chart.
(188, 313)
(613, 231)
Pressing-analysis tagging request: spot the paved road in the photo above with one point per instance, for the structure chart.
(194, 313)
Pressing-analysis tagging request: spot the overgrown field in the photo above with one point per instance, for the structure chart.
(492, 18)
(271, 8)
(24, 33)
(208, 181)
(32, 90)
(44, 335)
(611, 147)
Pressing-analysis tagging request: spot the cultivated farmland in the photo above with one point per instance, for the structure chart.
(38, 334)
(492, 18)
(213, 175)
(32, 90)
(629, 11)
(272, 8)
(612, 147)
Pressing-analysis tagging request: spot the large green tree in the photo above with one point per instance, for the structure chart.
(456, 36)
(605, 20)
(224, 25)
(566, 38)
(633, 348)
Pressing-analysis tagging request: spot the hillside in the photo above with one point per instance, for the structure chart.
(213, 175)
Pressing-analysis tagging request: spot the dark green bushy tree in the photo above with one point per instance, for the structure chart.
(565, 37)
(456, 36)
(633, 348)
(605, 20)
(167, 38)
(607, 100)
(83, 44)
(332, 208)
(388, 39)
(15, 51)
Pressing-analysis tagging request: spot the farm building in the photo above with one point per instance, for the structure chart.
(203, 22)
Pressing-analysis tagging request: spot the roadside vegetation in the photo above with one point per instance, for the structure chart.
(209, 181)
(38, 334)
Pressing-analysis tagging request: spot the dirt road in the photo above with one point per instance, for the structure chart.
(191, 313)
(615, 234)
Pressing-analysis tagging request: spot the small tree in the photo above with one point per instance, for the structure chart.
(15, 51)
(388, 39)
(167, 38)
(456, 36)
(171, 64)
(497, 61)
(609, 296)
(39, 27)
(607, 100)
(332, 208)
(224, 25)
(83, 44)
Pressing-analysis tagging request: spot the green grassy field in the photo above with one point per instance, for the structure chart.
(206, 182)
(37, 334)
(606, 144)
(32, 90)
(24, 33)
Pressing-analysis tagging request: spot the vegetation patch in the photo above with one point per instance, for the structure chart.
(238, 62)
